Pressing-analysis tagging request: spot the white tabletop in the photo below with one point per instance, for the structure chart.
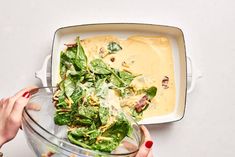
(208, 129)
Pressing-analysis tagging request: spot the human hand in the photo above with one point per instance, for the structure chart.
(11, 110)
(145, 149)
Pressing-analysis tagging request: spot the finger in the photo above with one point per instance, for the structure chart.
(21, 92)
(11, 100)
(3, 110)
(8, 105)
(17, 110)
(34, 90)
(146, 133)
(3, 103)
(145, 148)
(150, 153)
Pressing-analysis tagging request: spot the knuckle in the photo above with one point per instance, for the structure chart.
(20, 104)
(1, 101)
(6, 100)
(19, 101)
(11, 100)
(14, 120)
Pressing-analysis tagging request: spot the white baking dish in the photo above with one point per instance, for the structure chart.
(123, 30)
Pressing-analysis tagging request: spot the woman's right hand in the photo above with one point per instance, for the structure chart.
(145, 149)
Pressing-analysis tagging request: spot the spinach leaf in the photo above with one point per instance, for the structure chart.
(99, 67)
(101, 88)
(77, 142)
(62, 71)
(77, 95)
(69, 87)
(81, 58)
(116, 80)
(104, 114)
(111, 138)
(84, 135)
(64, 58)
(121, 78)
(125, 91)
(119, 129)
(93, 134)
(71, 70)
(61, 103)
(151, 92)
(71, 52)
(136, 115)
(106, 144)
(90, 112)
(79, 132)
(82, 121)
(114, 47)
(62, 118)
(127, 77)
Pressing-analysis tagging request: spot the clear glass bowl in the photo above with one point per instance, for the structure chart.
(49, 140)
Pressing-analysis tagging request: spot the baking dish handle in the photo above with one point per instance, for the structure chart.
(192, 73)
(42, 73)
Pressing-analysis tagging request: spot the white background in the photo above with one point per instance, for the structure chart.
(208, 128)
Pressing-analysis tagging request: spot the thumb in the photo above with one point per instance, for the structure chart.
(145, 148)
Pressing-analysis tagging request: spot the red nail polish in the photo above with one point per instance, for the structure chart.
(149, 144)
(26, 94)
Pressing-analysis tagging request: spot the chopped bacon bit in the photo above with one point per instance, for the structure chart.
(101, 50)
(112, 59)
(141, 103)
(165, 82)
(71, 45)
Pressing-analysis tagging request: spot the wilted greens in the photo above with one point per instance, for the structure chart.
(81, 99)
(113, 47)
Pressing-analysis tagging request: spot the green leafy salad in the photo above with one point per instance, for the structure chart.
(83, 103)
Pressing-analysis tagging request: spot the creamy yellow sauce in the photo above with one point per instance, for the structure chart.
(148, 56)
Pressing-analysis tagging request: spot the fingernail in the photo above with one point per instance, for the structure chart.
(149, 144)
(26, 94)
